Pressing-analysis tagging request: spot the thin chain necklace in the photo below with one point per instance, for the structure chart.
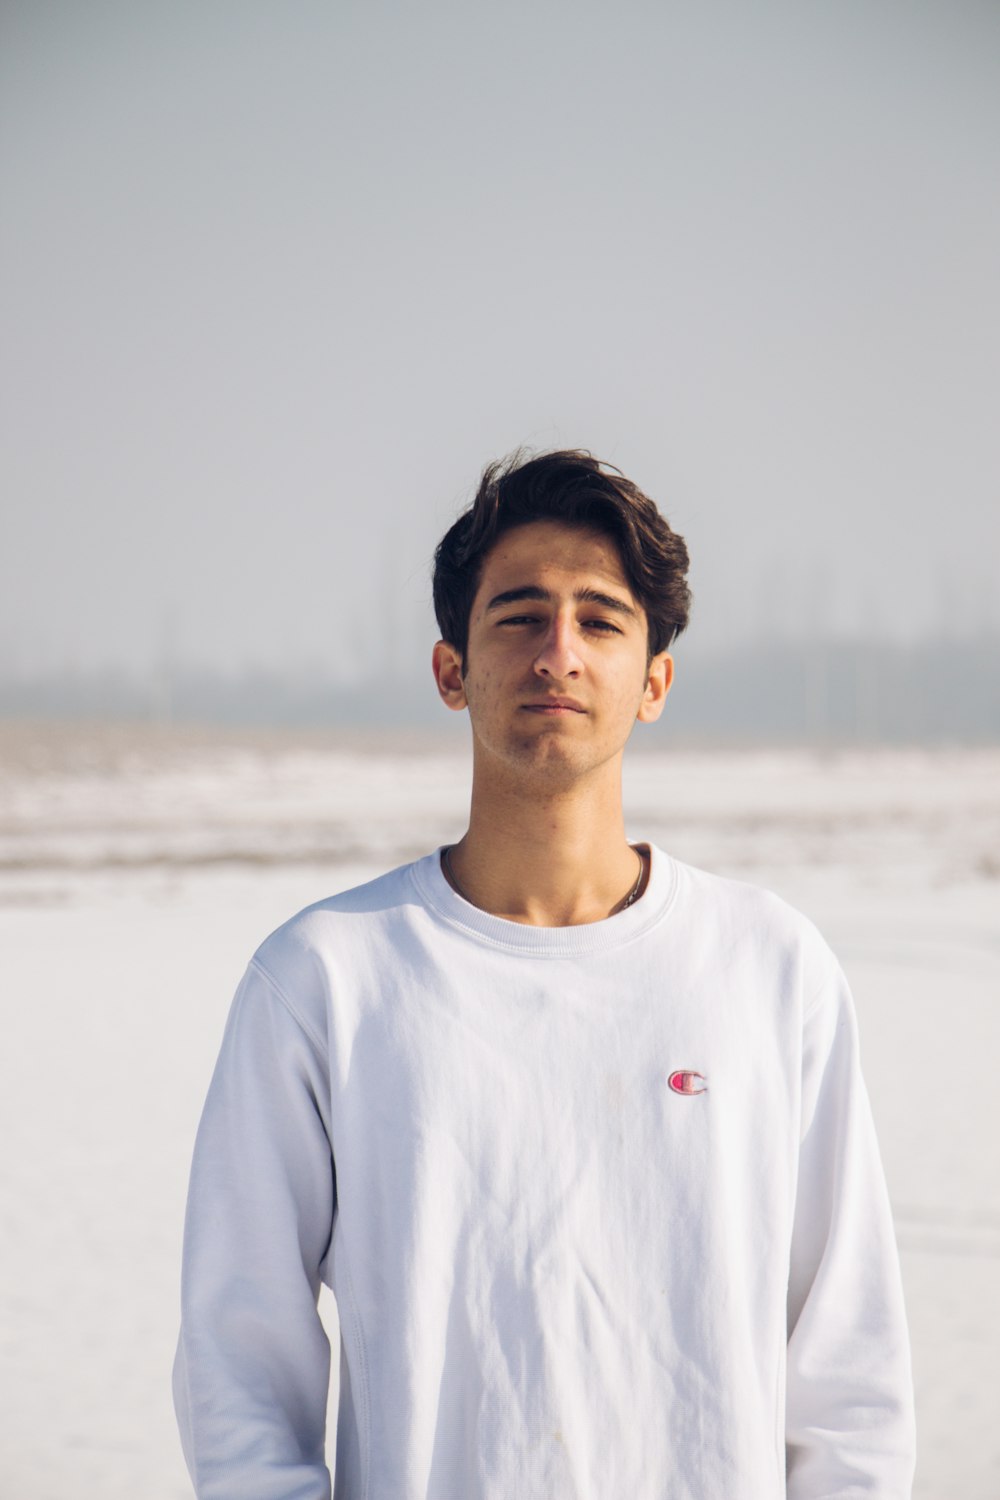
(621, 905)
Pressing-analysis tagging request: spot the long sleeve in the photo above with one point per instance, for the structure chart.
(251, 1375)
(849, 1409)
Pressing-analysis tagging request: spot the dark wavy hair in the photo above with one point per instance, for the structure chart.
(573, 487)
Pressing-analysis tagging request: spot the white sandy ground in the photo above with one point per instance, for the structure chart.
(138, 872)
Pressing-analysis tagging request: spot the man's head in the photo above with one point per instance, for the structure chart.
(575, 489)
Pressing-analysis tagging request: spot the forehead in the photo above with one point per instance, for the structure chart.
(541, 550)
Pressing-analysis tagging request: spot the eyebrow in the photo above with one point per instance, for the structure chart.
(543, 596)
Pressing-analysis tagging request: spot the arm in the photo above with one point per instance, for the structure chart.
(252, 1371)
(849, 1411)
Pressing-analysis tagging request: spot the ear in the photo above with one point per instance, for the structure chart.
(661, 675)
(447, 665)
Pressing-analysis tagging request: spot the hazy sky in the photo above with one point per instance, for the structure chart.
(279, 279)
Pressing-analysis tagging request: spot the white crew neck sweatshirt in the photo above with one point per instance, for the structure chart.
(601, 1206)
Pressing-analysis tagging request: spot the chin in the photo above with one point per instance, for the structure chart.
(553, 758)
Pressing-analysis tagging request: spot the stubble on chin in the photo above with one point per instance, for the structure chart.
(547, 763)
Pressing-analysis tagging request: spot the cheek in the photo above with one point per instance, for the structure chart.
(479, 689)
(632, 699)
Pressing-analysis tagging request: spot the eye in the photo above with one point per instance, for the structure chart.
(603, 626)
(518, 620)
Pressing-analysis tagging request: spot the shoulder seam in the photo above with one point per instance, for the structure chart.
(299, 1019)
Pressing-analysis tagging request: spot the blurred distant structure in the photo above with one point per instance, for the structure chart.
(782, 691)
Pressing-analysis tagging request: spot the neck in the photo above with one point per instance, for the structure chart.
(556, 858)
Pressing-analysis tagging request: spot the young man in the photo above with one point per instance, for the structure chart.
(575, 1133)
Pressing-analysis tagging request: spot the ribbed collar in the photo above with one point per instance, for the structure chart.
(549, 942)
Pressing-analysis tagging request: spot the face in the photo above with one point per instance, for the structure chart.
(556, 670)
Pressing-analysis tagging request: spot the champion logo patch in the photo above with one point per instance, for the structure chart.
(686, 1081)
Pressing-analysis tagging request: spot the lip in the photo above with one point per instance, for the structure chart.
(554, 706)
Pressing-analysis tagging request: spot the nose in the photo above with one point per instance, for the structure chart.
(557, 656)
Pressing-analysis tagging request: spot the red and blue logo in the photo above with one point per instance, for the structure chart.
(685, 1081)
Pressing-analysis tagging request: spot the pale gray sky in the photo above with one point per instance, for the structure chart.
(279, 279)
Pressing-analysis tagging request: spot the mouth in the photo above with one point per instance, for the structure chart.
(554, 707)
